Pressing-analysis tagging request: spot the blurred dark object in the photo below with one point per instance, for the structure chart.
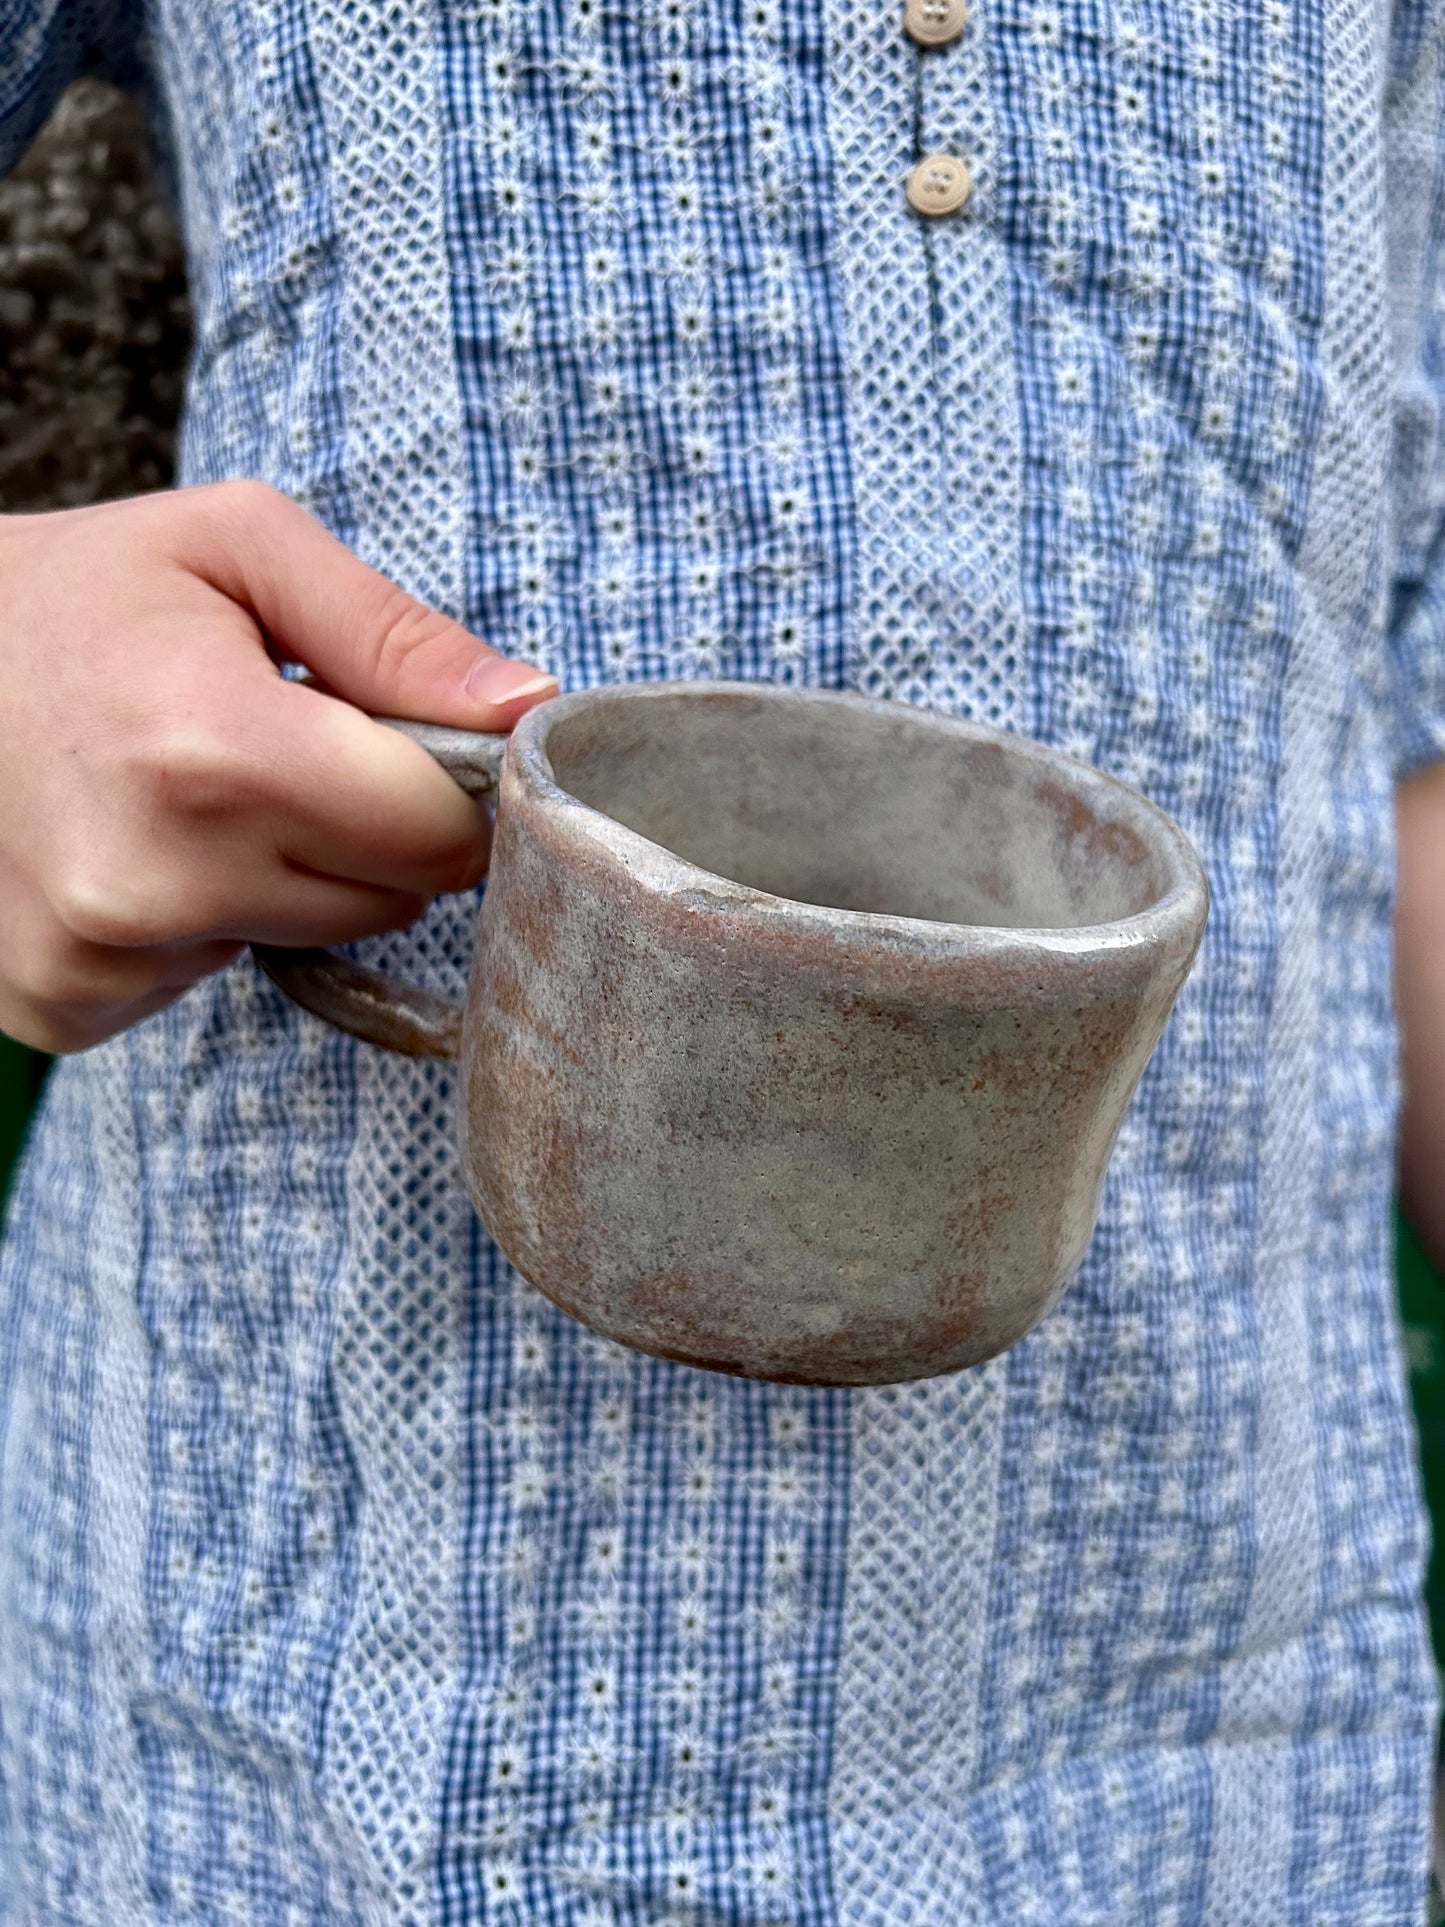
(94, 320)
(21, 1074)
(1422, 1310)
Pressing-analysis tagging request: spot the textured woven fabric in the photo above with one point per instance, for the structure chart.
(344, 1580)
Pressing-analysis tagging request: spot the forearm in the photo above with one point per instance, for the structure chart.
(1420, 996)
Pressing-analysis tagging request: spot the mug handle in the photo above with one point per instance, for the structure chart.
(366, 1003)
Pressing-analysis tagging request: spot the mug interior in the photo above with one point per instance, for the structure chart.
(867, 807)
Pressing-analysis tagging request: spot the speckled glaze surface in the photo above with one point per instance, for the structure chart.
(801, 1026)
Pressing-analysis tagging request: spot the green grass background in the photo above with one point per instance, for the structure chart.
(20, 1074)
(1422, 1307)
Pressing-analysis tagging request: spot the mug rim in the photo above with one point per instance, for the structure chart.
(1178, 914)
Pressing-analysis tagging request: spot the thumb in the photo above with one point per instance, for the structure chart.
(365, 638)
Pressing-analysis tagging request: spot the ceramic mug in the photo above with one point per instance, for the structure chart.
(800, 1026)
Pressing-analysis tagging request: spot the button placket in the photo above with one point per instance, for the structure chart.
(974, 398)
(934, 23)
(939, 184)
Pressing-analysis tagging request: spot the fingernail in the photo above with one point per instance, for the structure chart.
(493, 679)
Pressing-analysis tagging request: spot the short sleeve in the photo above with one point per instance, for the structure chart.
(44, 45)
(1415, 210)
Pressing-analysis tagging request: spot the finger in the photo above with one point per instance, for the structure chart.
(373, 807)
(312, 780)
(301, 911)
(274, 902)
(248, 814)
(58, 976)
(370, 641)
(62, 1032)
(333, 848)
(64, 994)
(63, 1029)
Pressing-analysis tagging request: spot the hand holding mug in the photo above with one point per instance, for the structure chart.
(800, 1027)
(166, 797)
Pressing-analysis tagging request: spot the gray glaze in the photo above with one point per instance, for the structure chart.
(800, 1026)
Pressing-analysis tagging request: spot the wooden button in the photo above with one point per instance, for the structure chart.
(933, 23)
(939, 185)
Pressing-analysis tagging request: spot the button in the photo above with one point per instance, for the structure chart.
(933, 23)
(939, 185)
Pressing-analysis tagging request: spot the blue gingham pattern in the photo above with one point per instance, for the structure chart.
(342, 1579)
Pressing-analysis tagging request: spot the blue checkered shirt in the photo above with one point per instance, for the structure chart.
(343, 1579)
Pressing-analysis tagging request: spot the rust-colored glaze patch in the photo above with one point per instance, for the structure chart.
(988, 766)
(1099, 836)
(509, 1001)
(673, 1313)
(1003, 1074)
(988, 1211)
(998, 887)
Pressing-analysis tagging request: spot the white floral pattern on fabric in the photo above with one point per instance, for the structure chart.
(647, 349)
(342, 1579)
